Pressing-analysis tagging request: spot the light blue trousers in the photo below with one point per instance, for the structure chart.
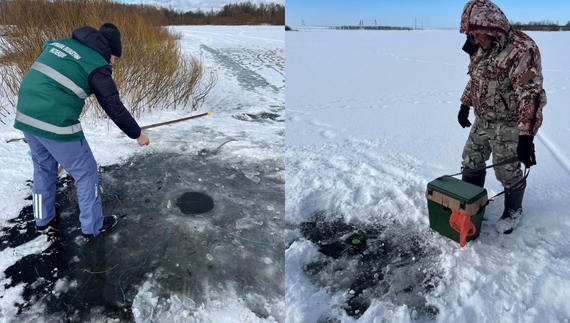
(77, 159)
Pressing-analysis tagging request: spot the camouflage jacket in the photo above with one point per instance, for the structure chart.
(505, 81)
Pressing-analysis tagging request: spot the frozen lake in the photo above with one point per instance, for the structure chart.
(371, 119)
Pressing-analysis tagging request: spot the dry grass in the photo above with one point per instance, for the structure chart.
(151, 74)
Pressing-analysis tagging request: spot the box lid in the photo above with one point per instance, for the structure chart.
(457, 194)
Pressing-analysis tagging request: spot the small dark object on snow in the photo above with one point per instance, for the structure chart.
(16, 139)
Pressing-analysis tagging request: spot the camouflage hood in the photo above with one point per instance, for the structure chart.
(484, 17)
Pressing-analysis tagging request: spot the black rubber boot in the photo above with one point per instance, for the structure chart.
(512, 212)
(53, 223)
(109, 222)
(514, 198)
(474, 177)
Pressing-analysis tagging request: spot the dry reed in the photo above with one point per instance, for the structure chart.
(152, 73)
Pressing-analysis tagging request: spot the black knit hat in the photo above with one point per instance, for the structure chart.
(113, 35)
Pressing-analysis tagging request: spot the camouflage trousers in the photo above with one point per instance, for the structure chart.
(499, 138)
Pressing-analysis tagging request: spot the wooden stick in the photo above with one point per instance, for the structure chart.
(158, 125)
(174, 121)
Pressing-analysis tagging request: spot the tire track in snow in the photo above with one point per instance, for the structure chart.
(246, 77)
(378, 50)
(426, 98)
(242, 38)
(556, 152)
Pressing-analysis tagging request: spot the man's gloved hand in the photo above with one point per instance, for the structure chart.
(462, 116)
(525, 150)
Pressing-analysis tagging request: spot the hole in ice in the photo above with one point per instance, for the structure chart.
(195, 203)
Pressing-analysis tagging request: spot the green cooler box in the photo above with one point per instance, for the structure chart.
(447, 194)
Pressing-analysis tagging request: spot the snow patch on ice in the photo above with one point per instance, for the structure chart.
(151, 305)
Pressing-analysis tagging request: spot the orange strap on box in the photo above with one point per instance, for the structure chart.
(461, 223)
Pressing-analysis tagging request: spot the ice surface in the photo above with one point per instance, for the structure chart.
(387, 263)
(188, 252)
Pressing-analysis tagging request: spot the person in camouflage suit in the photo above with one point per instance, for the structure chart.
(506, 93)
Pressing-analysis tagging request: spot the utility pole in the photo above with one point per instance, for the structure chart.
(416, 23)
(302, 22)
(375, 24)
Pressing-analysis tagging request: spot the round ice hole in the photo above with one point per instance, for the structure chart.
(194, 203)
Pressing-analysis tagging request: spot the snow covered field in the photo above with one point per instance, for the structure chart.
(159, 264)
(371, 119)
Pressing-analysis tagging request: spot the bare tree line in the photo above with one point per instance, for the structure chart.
(543, 25)
(371, 28)
(245, 13)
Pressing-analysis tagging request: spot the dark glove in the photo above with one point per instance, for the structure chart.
(525, 150)
(462, 116)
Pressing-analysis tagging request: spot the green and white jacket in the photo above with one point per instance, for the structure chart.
(53, 92)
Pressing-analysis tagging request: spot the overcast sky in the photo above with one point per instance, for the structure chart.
(194, 5)
(432, 13)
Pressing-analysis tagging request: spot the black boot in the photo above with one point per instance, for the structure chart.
(474, 177)
(512, 212)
